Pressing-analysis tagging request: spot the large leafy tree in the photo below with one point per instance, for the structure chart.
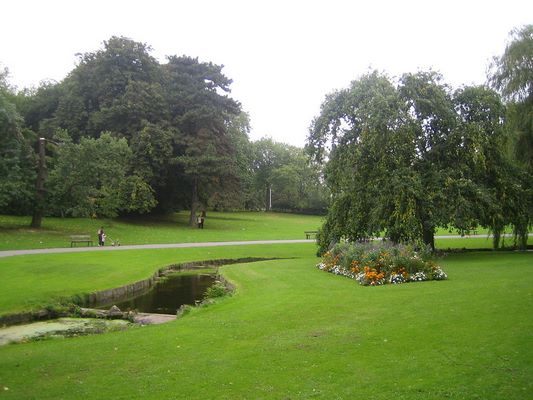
(370, 154)
(406, 159)
(234, 190)
(267, 157)
(431, 121)
(283, 178)
(296, 184)
(201, 109)
(175, 118)
(17, 161)
(483, 180)
(91, 178)
(512, 75)
(113, 89)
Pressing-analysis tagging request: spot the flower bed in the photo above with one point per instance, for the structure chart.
(380, 263)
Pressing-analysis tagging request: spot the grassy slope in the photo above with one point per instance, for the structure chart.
(293, 332)
(34, 281)
(16, 234)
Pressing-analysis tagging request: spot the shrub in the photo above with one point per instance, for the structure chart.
(216, 290)
(380, 263)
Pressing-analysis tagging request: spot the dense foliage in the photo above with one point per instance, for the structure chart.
(406, 157)
(17, 159)
(512, 75)
(284, 179)
(126, 134)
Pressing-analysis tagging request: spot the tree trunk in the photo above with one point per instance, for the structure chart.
(38, 206)
(428, 233)
(496, 236)
(194, 202)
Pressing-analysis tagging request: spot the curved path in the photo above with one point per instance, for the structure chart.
(8, 253)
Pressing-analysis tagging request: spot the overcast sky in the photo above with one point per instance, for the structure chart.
(283, 56)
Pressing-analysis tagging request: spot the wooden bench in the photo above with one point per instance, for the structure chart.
(80, 239)
(310, 234)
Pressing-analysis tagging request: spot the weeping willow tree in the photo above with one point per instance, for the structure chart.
(405, 158)
(512, 75)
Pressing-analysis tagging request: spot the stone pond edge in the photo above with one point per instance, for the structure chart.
(122, 292)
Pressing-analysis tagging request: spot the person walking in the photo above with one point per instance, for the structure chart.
(101, 236)
(202, 219)
(199, 221)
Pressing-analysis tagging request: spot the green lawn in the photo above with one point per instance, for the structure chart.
(293, 332)
(480, 242)
(16, 234)
(34, 281)
(289, 331)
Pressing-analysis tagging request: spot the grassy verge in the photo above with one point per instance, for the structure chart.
(34, 281)
(16, 234)
(294, 332)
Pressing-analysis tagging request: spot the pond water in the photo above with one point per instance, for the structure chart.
(168, 295)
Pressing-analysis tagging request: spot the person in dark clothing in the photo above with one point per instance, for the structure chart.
(202, 219)
(101, 236)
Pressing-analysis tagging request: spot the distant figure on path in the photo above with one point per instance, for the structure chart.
(101, 236)
(202, 219)
(199, 221)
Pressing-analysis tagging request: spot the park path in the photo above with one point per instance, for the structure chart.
(8, 253)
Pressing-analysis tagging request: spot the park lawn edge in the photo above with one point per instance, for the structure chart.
(291, 331)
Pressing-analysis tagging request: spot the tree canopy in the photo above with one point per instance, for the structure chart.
(405, 158)
(17, 158)
(133, 135)
(512, 75)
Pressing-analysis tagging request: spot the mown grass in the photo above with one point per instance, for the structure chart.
(15, 232)
(289, 332)
(293, 332)
(32, 282)
(479, 242)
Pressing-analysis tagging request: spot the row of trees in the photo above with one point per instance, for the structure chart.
(126, 134)
(408, 156)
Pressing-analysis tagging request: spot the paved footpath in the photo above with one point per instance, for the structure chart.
(8, 253)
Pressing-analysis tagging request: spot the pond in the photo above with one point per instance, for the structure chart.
(168, 295)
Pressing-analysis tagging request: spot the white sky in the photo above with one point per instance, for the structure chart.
(284, 56)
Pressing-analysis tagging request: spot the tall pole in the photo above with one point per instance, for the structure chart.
(39, 187)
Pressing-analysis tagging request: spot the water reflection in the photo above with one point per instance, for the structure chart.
(170, 294)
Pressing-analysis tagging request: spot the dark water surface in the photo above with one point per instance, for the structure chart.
(170, 294)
